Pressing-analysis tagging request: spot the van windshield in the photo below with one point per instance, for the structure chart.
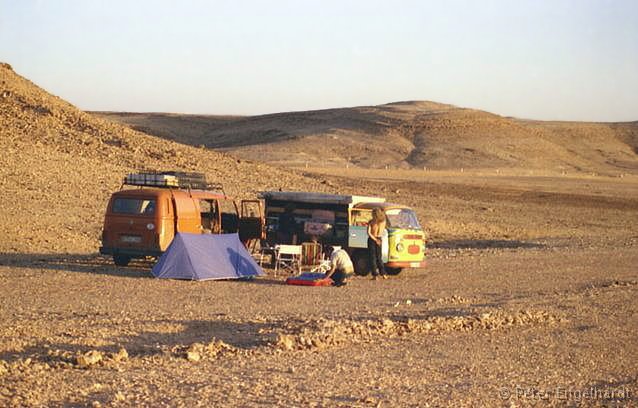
(138, 206)
(402, 218)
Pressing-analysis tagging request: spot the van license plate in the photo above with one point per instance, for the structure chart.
(131, 239)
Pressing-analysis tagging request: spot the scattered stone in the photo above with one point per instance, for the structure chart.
(216, 347)
(286, 341)
(198, 351)
(318, 335)
(196, 348)
(120, 355)
(193, 356)
(88, 359)
(4, 367)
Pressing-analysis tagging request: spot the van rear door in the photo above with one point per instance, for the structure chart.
(252, 221)
(187, 216)
(132, 222)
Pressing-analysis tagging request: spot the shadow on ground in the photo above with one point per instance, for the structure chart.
(484, 244)
(148, 342)
(83, 263)
(94, 264)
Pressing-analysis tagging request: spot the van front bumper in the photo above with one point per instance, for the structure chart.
(404, 264)
(132, 252)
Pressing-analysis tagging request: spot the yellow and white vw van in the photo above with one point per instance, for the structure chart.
(342, 220)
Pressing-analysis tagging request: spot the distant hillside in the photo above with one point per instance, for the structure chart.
(59, 165)
(404, 134)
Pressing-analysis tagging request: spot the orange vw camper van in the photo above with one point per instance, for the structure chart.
(142, 221)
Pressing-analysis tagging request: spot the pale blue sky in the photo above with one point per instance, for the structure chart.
(570, 60)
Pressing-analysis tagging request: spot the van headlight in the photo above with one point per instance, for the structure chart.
(399, 247)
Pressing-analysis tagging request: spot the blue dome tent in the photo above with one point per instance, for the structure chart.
(206, 257)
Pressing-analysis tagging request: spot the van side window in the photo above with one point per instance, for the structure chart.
(360, 218)
(204, 206)
(207, 212)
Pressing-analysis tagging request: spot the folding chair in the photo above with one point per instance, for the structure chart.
(311, 254)
(266, 251)
(288, 258)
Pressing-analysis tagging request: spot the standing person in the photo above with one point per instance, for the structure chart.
(341, 266)
(287, 229)
(376, 227)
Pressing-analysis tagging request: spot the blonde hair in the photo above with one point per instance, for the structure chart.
(378, 215)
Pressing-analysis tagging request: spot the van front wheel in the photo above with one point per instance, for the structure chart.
(361, 263)
(393, 271)
(121, 260)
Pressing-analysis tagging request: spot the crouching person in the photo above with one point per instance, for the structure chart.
(340, 266)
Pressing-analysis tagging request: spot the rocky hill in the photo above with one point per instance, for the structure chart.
(405, 135)
(59, 165)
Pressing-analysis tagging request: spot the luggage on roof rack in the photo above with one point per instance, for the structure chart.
(168, 179)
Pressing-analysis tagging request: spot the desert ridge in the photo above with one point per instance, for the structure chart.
(404, 135)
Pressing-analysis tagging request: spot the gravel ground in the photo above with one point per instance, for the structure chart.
(489, 327)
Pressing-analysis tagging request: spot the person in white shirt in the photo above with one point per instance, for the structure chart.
(341, 266)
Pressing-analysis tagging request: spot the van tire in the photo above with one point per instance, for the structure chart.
(361, 262)
(121, 260)
(393, 271)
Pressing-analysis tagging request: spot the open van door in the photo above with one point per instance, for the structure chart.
(187, 217)
(251, 221)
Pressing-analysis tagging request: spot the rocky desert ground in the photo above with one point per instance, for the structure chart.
(528, 299)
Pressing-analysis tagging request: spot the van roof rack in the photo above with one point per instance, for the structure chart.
(171, 179)
(216, 186)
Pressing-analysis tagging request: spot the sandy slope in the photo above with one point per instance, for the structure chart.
(59, 166)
